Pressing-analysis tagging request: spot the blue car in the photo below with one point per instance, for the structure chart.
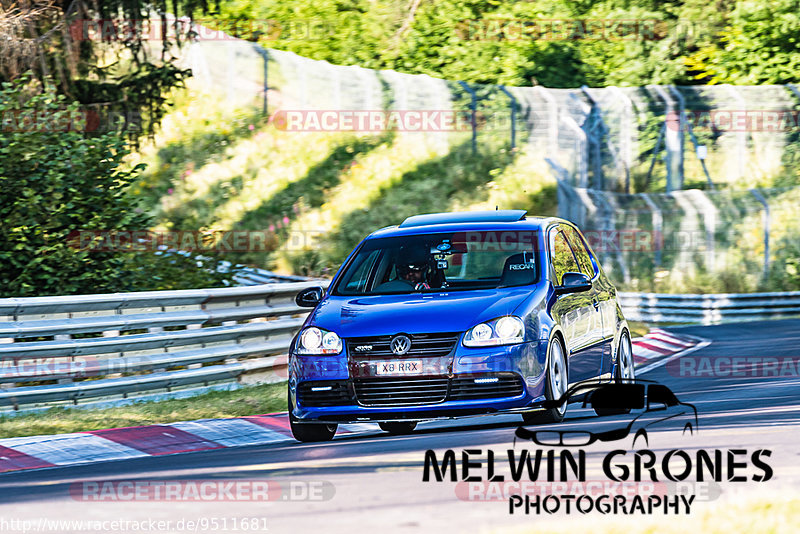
(451, 315)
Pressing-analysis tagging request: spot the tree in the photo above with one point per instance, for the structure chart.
(113, 56)
(56, 181)
(759, 45)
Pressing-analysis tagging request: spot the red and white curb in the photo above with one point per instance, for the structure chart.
(658, 344)
(36, 452)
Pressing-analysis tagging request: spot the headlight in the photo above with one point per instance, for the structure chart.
(314, 340)
(500, 331)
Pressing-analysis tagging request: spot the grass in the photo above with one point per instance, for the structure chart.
(251, 400)
(216, 167)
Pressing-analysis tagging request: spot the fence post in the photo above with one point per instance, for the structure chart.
(265, 108)
(583, 149)
(473, 106)
(231, 70)
(702, 159)
(671, 140)
(741, 136)
(658, 227)
(513, 116)
(264, 53)
(625, 149)
(595, 131)
(766, 218)
(681, 128)
(552, 121)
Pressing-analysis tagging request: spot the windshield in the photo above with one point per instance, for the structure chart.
(432, 262)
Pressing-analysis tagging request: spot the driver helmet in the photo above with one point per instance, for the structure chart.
(415, 259)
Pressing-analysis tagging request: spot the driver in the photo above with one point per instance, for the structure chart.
(412, 265)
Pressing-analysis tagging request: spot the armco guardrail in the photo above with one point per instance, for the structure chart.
(709, 309)
(69, 350)
(72, 349)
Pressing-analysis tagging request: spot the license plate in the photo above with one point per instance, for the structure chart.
(399, 368)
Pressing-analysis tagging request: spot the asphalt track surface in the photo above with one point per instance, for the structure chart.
(373, 483)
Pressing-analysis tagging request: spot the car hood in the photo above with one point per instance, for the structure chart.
(377, 315)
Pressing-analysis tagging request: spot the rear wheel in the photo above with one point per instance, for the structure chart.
(556, 381)
(307, 432)
(398, 427)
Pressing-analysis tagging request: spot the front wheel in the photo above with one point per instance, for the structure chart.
(556, 381)
(624, 373)
(398, 427)
(625, 368)
(309, 432)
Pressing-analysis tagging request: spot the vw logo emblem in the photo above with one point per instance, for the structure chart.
(400, 345)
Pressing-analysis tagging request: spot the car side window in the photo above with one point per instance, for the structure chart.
(580, 250)
(562, 257)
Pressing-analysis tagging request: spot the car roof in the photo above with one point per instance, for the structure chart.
(464, 217)
(466, 221)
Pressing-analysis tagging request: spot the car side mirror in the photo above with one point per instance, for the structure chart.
(573, 283)
(309, 297)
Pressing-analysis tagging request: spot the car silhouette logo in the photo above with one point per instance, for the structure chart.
(400, 345)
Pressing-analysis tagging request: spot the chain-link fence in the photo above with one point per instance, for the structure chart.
(731, 240)
(311, 95)
(687, 173)
(621, 139)
(664, 138)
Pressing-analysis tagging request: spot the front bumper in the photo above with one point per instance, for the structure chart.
(474, 382)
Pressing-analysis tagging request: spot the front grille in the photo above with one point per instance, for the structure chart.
(431, 390)
(317, 394)
(422, 345)
(465, 388)
(400, 391)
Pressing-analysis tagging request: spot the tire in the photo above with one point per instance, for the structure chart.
(624, 372)
(397, 428)
(556, 381)
(625, 364)
(310, 432)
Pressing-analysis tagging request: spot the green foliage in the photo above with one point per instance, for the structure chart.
(760, 44)
(55, 182)
(112, 55)
(479, 41)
